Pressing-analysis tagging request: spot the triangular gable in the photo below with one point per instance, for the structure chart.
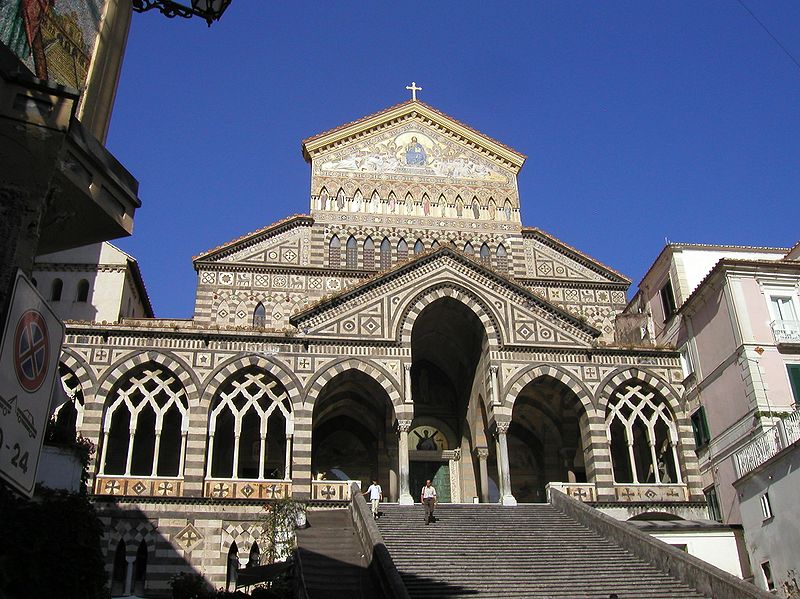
(281, 243)
(413, 109)
(547, 257)
(374, 310)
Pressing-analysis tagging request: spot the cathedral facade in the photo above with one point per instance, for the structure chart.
(408, 327)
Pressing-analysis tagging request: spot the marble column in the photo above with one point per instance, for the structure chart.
(403, 426)
(407, 397)
(483, 454)
(495, 385)
(129, 575)
(502, 464)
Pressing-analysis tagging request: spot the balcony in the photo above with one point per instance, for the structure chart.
(786, 332)
(767, 445)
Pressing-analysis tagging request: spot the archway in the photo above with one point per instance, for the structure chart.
(449, 350)
(544, 439)
(352, 436)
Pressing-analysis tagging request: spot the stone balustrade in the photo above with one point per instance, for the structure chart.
(768, 444)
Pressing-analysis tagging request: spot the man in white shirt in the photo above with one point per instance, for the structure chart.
(428, 499)
(375, 495)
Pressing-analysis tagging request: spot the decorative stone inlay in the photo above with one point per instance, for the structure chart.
(255, 490)
(189, 537)
(649, 493)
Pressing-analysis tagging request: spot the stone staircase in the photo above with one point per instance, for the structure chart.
(532, 551)
(331, 558)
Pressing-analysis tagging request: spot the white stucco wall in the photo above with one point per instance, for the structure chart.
(717, 548)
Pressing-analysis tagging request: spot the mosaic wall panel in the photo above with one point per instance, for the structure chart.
(142, 487)
(651, 492)
(245, 489)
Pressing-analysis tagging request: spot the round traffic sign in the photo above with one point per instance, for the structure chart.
(31, 350)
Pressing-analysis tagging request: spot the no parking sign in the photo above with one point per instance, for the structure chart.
(31, 345)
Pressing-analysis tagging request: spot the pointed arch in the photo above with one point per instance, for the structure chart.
(386, 254)
(485, 254)
(492, 205)
(351, 253)
(260, 316)
(419, 247)
(341, 199)
(392, 202)
(56, 289)
(507, 209)
(324, 199)
(369, 253)
(232, 568)
(476, 208)
(459, 206)
(334, 252)
(358, 200)
(402, 250)
(469, 250)
(377, 372)
(435, 244)
(426, 204)
(409, 200)
(502, 258)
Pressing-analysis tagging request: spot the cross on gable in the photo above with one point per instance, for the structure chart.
(413, 89)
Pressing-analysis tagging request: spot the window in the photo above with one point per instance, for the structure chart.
(247, 430)
(485, 254)
(766, 569)
(502, 258)
(260, 316)
(686, 360)
(782, 308)
(386, 254)
(119, 571)
(794, 380)
(56, 290)
(712, 501)
(419, 247)
(83, 291)
(369, 253)
(232, 571)
(766, 507)
(468, 250)
(146, 424)
(254, 558)
(700, 428)
(402, 250)
(351, 253)
(334, 252)
(140, 570)
(435, 245)
(668, 300)
(643, 436)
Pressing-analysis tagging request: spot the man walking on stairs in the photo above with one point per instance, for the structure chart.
(375, 496)
(428, 499)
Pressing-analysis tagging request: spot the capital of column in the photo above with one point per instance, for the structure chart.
(493, 369)
(482, 453)
(407, 367)
(502, 427)
(403, 426)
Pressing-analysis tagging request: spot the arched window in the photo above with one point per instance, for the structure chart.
(485, 254)
(83, 291)
(250, 419)
(351, 253)
(435, 245)
(255, 556)
(260, 316)
(69, 415)
(119, 571)
(468, 250)
(386, 253)
(419, 247)
(140, 570)
(643, 436)
(369, 253)
(502, 258)
(232, 569)
(56, 290)
(334, 252)
(146, 424)
(402, 250)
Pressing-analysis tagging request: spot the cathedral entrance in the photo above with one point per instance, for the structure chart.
(544, 439)
(449, 348)
(349, 439)
(439, 475)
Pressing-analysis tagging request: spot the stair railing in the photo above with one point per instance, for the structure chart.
(708, 579)
(380, 563)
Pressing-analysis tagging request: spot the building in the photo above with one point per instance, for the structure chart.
(767, 468)
(408, 327)
(97, 282)
(732, 314)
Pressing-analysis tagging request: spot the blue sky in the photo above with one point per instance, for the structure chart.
(641, 121)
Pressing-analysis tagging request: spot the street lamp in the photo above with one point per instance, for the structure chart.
(210, 10)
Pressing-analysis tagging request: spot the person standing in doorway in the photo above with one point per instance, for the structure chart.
(375, 495)
(428, 499)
